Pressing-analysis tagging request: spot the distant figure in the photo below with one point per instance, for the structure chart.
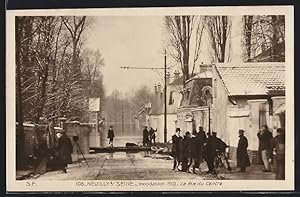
(176, 148)
(145, 137)
(265, 137)
(63, 151)
(110, 136)
(278, 144)
(242, 155)
(152, 136)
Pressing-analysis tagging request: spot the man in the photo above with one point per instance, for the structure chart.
(265, 137)
(211, 152)
(242, 155)
(185, 152)
(278, 144)
(145, 136)
(176, 138)
(63, 151)
(197, 148)
(111, 135)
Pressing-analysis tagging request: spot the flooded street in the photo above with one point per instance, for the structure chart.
(120, 166)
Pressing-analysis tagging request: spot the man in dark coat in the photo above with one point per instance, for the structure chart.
(110, 136)
(197, 148)
(211, 152)
(265, 137)
(242, 155)
(63, 151)
(185, 151)
(175, 152)
(278, 144)
(145, 137)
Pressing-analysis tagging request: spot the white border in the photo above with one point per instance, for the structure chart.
(226, 185)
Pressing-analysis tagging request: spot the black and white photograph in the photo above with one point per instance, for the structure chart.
(150, 99)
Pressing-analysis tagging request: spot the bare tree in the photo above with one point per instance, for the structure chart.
(219, 31)
(185, 41)
(266, 40)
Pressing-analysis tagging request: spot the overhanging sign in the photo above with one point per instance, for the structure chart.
(94, 104)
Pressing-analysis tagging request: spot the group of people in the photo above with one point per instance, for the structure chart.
(52, 149)
(149, 135)
(192, 149)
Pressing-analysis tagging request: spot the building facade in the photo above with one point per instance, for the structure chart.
(247, 96)
(196, 106)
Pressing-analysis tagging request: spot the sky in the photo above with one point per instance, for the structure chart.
(128, 41)
(138, 41)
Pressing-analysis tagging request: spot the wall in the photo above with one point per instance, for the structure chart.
(82, 131)
(220, 102)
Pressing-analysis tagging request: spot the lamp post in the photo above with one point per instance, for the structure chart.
(165, 88)
(208, 98)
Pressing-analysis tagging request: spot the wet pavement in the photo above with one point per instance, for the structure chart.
(142, 166)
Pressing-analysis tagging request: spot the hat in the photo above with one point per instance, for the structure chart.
(241, 131)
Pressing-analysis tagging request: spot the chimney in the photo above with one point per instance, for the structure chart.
(168, 78)
(159, 88)
(155, 88)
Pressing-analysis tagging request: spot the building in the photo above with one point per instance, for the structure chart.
(247, 96)
(156, 119)
(196, 97)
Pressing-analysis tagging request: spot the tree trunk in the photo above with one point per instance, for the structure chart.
(248, 20)
(20, 138)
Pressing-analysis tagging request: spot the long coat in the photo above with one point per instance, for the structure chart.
(185, 149)
(145, 136)
(197, 145)
(110, 134)
(242, 155)
(64, 150)
(176, 146)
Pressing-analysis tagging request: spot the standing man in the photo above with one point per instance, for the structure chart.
(176, 138)
(111, 135)
(197, 148)
(63, 151)
(278, 144)
(265, 137)
(185, 152)
(145, 137)
(211, 152)
(242, 155)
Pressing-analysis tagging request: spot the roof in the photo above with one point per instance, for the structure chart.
(252, 78)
